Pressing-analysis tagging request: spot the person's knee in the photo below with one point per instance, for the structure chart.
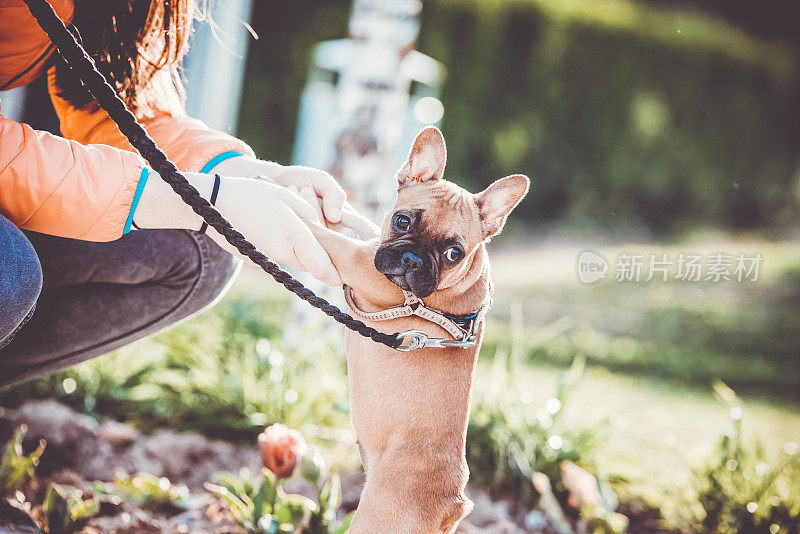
(189, 269)
(218, 272)
(20, 278)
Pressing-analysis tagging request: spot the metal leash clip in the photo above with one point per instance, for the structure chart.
(417, 339)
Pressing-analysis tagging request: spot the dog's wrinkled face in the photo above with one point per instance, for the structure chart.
(435, 227)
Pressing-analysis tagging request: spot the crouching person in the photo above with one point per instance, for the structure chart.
(96, 250)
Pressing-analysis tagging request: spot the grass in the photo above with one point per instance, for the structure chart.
(643, 416)
(226, 374)
(651, 433)
(746, 334)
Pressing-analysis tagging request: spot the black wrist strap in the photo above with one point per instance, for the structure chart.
(212, 200)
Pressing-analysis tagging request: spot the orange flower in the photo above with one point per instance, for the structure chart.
(281, 449)
(582, 487)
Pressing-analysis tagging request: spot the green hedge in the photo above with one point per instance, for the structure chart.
(624, 115)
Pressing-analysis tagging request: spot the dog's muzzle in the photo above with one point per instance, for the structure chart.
(410, 267)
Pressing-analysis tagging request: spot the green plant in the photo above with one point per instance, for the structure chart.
(260, 506)
(518, 450)
(508, 439)
(219, 374)
(739, 490)
(17, 468)
(147, 491)
(65, 511)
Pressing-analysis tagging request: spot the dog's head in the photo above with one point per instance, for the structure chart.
(435, 227)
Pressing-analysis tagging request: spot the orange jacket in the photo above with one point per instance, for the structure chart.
(82, 186)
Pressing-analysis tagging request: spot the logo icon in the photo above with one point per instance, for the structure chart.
(591, 267)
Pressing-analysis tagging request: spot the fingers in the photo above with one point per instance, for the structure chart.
(310, 196)
(344, 230)
(359, 224)
(301, 189)
(332, 195)
(291, 197)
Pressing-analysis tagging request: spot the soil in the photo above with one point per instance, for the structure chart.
(80, 450)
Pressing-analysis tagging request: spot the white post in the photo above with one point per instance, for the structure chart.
(355, 125)
(214, 67)
(372, 99)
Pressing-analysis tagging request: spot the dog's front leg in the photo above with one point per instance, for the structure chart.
(351, 258)
(393, 502)
(354, 261)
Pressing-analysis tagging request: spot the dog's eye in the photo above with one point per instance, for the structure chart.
(401, 222)
(453, 254)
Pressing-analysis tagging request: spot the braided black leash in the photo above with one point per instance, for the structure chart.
(83, 65)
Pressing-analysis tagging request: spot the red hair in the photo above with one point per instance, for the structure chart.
(137, 45)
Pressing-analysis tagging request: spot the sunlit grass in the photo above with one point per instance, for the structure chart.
(649, 431)
(746, 333)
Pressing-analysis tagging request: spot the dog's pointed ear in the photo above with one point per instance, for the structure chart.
(426, 160)
(496, 201)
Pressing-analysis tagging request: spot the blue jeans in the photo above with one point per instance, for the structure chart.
(63, 301)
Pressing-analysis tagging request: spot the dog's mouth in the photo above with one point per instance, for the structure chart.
(419, 289)
(411, 268)
(399, 281)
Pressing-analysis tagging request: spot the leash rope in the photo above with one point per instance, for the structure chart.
(79, 61)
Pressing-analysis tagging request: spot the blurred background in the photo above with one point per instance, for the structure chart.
(655, 118)
(648, 127)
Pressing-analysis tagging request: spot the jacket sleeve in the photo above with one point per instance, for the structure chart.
(188, 142)
(63, 188)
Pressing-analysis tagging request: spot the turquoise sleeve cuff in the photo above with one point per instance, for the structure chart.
(219, 158)
(136, 196)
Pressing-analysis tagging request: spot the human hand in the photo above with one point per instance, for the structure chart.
(275, 220)
(270, 216)
(329, 195)
(352, 223)
(316, 187)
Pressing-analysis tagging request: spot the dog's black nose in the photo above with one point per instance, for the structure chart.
(411, 262)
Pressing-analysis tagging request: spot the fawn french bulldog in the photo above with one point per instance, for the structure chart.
(410, 409)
